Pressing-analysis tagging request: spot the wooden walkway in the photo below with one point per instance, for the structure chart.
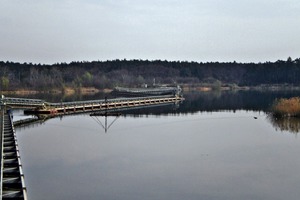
(12, 178)
(65, 108)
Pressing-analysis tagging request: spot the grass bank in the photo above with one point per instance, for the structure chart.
(286, 107)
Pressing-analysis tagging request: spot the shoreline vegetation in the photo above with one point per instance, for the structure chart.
(185, 88)
(65, 91)
(286, 108)
(86, 77)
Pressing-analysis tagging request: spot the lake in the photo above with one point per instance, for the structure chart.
(216, 145)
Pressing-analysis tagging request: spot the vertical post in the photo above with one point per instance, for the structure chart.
(106, 108)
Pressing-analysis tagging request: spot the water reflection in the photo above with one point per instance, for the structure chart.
(165, 158)
(196, 101)
(167, 153)
(230, 100)
(202, 102)
(290, 124)
(97, 117)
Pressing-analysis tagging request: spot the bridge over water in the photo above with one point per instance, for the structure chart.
(12, 185)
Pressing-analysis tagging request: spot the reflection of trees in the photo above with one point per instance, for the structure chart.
(194, 101)
(229, 100)
(290, 124)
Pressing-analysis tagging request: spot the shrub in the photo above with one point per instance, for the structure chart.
(287, 107)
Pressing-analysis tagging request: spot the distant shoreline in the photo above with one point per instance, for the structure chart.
(68, 91)
(185, 88)
(99, 75)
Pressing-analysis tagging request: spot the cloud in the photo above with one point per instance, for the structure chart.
(56, 31)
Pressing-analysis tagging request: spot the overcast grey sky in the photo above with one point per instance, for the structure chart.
(50, 31)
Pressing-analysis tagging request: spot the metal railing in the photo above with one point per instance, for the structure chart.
(90, 102)
(41, 103)
(1, 140)
(9, 101)
(12, 184)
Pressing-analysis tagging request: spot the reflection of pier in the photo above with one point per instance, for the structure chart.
(29, 122)
(105, 126)
(118, 111)
(12, 178)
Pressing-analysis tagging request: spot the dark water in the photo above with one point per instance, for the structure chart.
(212, 146)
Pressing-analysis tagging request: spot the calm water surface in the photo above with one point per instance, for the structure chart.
(194, 155)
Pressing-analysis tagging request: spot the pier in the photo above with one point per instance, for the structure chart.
(12, 185)
(65, 108)
(12, 177)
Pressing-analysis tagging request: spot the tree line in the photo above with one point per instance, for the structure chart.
(132, 73)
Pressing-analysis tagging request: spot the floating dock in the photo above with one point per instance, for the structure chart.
(146, 91)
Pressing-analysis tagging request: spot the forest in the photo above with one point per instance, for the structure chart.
(133, 73)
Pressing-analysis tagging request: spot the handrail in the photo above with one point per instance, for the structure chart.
(38, 102)
(106, 100)
(19, 161)
(10, 149)
(10, 100)
(1, 152)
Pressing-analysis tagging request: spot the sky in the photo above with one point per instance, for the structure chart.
(55, 31)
